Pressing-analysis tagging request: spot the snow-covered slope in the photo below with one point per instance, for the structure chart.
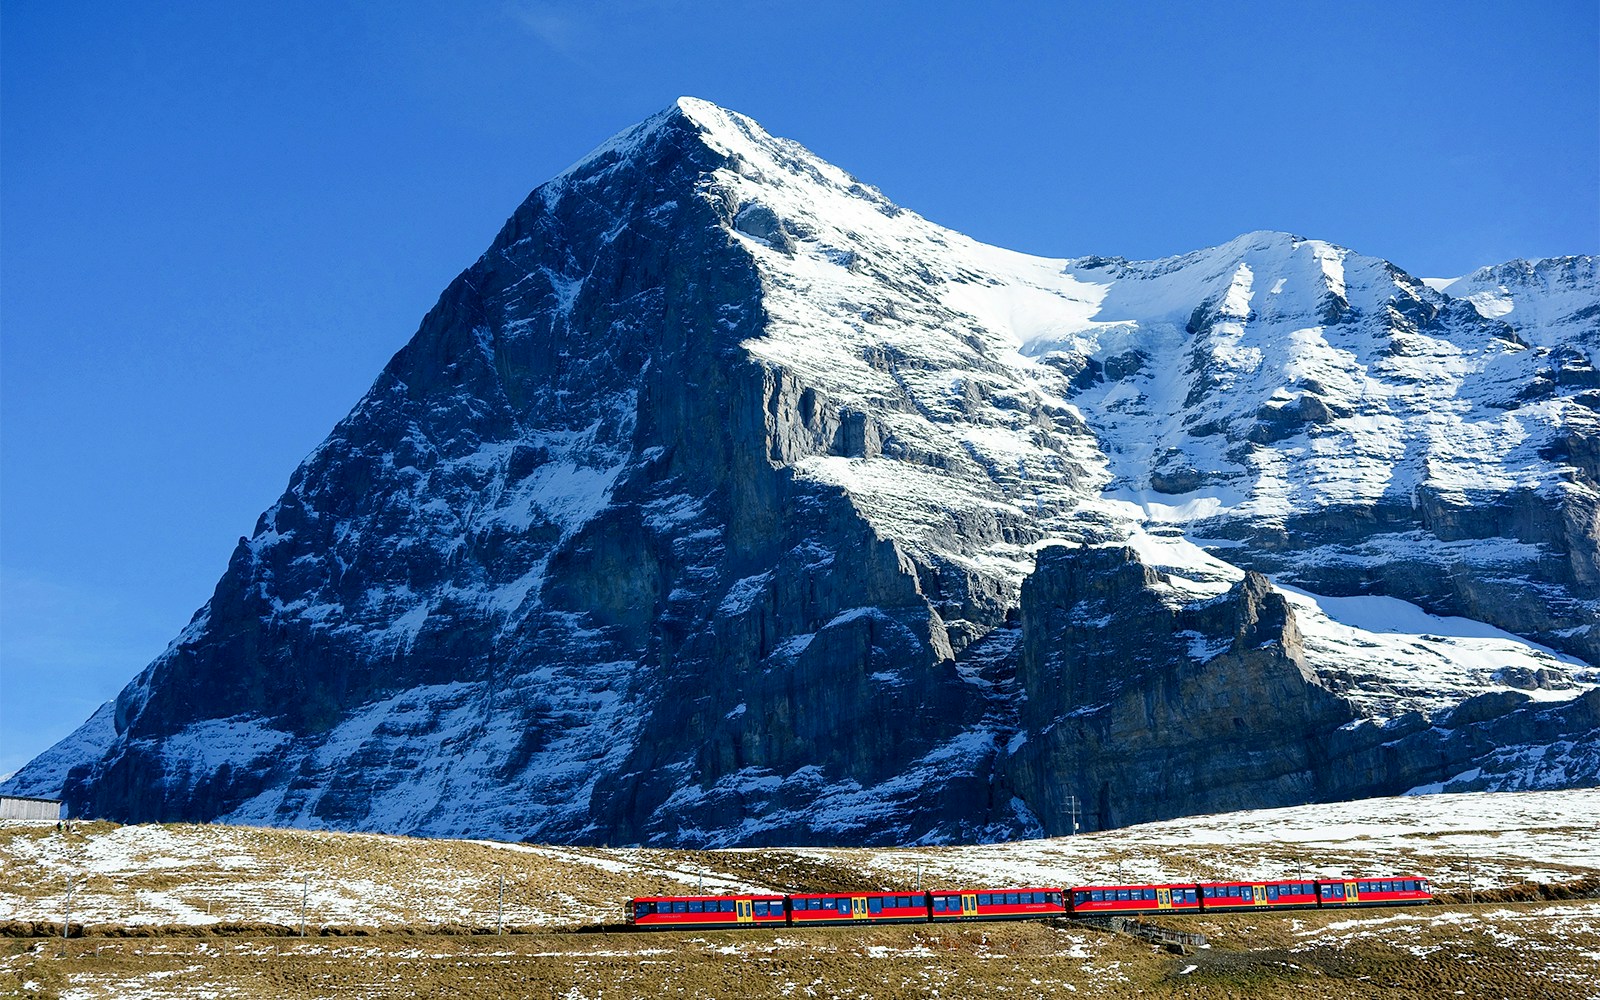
(705, 507)
(192, 874)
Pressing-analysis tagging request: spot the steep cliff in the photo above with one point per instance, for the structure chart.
(724, 501)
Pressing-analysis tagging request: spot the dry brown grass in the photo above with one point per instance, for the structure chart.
(189, 911)
(1488, 950)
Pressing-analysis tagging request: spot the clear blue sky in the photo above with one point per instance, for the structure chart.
(218, 220)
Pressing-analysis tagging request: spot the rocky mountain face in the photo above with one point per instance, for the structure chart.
(723, 501)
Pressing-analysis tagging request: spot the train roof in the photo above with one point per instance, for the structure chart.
(694, 899)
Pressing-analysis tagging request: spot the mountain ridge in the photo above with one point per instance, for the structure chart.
(716, 454)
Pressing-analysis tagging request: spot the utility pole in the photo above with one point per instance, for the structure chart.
(919, 876)
(500, 909)
(66, 919)
(305, 897)
(1072, 806)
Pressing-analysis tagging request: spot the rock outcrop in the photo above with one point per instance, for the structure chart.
(1143, 706)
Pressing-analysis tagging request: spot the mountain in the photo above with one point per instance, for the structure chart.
(723, 501)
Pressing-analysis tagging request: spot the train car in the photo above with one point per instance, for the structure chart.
(1395, 891)
(1222, 896)
(998, 904)
(1088, 900)
(647, 912)
(814, 909)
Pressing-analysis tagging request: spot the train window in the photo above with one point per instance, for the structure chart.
(938, 904)
(697, 907)
(680, 907)
(727, 906)
(983, 899)
(758, 908)
(905, 902)
(875, 904)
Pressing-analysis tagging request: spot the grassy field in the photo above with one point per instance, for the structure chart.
(213, 911)
(1480, 950)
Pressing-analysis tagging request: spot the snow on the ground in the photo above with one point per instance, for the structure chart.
(1481, 839)
(182, 874)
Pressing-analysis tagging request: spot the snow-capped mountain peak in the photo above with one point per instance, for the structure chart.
(724, 501)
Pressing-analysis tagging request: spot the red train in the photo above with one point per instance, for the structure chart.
(835, 908)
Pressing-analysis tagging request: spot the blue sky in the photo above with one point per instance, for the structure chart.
(218, 221)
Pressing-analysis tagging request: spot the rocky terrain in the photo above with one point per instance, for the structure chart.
(723, 501)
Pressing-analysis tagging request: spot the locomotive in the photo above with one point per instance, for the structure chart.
(957, 905)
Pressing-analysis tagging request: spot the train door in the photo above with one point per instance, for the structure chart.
(741, 911)
(1352, 893)
(969, 905)
(858, 907)
(1260, 894)
(1163, 899)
